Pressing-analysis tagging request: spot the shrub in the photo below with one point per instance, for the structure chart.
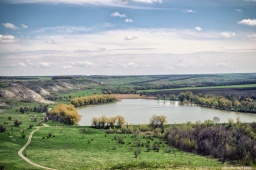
(137, 152)
(156, 147)
(30, 126)
(50, 134)
(23, 134)
(17, 123)
(9, 118)
(2, 128)
(120, 140)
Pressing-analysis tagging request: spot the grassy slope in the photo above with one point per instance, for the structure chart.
(69, 149)
(199, 88)
(11, 141)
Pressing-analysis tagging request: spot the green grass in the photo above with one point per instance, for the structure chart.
(70, 149)
(199, 88)
(11, 141)
(80, 93)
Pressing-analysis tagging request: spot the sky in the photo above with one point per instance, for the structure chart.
(127, 37)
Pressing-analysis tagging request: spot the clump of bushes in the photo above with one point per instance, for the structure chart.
(2, 128)
(17, 123)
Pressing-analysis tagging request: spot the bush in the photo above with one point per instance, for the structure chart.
(156, 147)
(50, 134)
(136, 152)
(23, 134)
(17, 123)
(9, 118)
(30, 126)
(2, 128)
(120, 140)
(1, 167)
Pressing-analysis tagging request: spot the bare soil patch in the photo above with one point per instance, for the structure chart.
(132, 96)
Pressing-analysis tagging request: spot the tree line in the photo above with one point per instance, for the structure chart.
(94, 99)
(232, 103)
(37, 109)
(104, 122)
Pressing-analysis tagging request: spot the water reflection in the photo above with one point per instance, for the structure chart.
(139, 111)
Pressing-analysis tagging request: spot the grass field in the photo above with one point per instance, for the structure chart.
(199, 88)
(80, 93)
(69, 148)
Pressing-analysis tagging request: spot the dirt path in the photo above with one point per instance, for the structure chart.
(26, 145)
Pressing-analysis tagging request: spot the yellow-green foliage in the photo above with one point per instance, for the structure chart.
(64, 113)
(94, 99)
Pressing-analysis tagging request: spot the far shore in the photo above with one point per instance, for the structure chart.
(133, 96)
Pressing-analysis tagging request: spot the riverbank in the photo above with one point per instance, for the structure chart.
(133, 96)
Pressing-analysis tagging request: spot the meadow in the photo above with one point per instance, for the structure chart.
(76, 147)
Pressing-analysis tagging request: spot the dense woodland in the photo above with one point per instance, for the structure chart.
(233, 141)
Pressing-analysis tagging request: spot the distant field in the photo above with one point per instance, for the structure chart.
(247, 89)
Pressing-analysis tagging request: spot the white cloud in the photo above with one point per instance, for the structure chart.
(189, 11)
(128, 20)
(131, 64)
(7, 38)
(92, 2)
(130, 37)
(148, 1)
(83, 64)
(117, 14)
(22, 64)
(50, 42)
(239, 10)
(251, 36)
(250, 22)
(23, 26)
(63, 30)
(227, 34)
(198, 28)
(9, 25)
(67, 67)
(44, 64)
(221, 64)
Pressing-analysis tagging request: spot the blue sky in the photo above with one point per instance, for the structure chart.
(127, 37)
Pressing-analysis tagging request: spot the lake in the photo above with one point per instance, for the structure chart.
(139, 111)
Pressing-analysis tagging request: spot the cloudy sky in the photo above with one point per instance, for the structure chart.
(127, 37)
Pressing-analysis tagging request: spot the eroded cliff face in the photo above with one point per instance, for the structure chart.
(39, 91)
(21, 93)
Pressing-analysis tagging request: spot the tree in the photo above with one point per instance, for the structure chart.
(120, 121)
(182, 97)
(66, 114)
(172, 97)
(164, 96)
(216, 120)
(158, 96)
(158, 121)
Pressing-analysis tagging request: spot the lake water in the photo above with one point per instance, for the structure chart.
(139, 111)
